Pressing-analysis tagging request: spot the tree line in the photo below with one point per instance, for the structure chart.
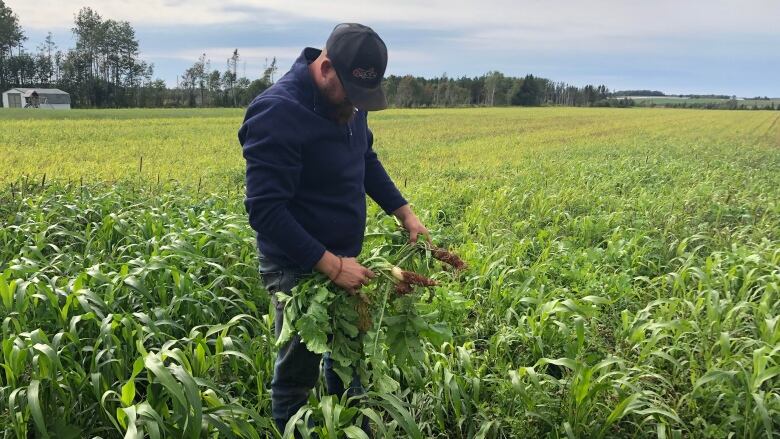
(105, 70)
(493, 89)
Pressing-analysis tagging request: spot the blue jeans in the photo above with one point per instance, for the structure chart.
(297, 369)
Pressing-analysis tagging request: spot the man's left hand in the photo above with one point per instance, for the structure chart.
(411, 223)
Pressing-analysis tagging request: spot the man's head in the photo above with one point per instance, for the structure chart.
(349, 70)
(340, 109)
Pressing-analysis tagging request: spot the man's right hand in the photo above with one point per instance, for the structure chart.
(352, 275)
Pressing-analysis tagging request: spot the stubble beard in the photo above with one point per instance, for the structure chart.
(342, 113)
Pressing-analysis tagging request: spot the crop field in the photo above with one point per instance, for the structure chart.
(621, 279)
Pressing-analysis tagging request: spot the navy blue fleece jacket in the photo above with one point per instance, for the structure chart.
(306, 176)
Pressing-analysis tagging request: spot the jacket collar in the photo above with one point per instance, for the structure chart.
(310, 95)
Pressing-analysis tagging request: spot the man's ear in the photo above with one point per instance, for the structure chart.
(326, 68)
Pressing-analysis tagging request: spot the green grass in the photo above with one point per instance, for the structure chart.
(120, 114)
(623, 281)
(109, 145)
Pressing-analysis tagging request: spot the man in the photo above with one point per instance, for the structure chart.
(309, 165)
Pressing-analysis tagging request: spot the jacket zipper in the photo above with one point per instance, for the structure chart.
(349, 135)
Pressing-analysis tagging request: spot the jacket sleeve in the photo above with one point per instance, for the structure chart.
(378, 184)
(273, 170)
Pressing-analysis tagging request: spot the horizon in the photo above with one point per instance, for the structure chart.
(711, 48)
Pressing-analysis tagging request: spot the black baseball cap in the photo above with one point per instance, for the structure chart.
(360, 58)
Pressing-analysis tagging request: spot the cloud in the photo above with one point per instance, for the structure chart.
(255, 58)
(596, 17)
(59, 13)
(701, 43)
(530, 26)
(247, 53)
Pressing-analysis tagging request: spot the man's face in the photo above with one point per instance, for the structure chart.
(341, 109)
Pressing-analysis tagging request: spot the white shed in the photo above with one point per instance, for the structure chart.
(52, 98)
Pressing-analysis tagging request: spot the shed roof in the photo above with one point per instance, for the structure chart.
(44, 91)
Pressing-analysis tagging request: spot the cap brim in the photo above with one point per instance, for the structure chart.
(366, 99)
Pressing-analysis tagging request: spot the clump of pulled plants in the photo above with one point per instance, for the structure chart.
(407, 280)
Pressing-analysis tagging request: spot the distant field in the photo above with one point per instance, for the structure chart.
(201, 145)
(622, 279)
(118, 114)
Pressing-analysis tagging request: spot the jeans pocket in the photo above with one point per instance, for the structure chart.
(283, 282)
(288, 280)
(272, 280)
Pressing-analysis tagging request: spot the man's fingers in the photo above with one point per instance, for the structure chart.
(413, 236)
(355, 287)
(355, 276)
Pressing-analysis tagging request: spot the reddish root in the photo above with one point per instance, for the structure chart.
(417, 279)
(403, 288)
(448, 258)
(364, 316)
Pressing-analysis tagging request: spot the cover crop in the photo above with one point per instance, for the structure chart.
(622, 279)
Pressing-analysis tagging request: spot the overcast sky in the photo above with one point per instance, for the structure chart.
(677, 46)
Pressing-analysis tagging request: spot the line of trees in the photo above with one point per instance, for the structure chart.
(202, 86)
(722, 104)
(493, 89)
(12, 65)
(105, 69)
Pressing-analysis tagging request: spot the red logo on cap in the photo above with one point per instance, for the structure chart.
(364, 73)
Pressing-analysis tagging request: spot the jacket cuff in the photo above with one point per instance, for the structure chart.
(390, 206)
(312, 258)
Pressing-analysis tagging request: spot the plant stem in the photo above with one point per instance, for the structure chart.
(381, 316)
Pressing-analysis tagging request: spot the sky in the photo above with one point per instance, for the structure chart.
(676, 46)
